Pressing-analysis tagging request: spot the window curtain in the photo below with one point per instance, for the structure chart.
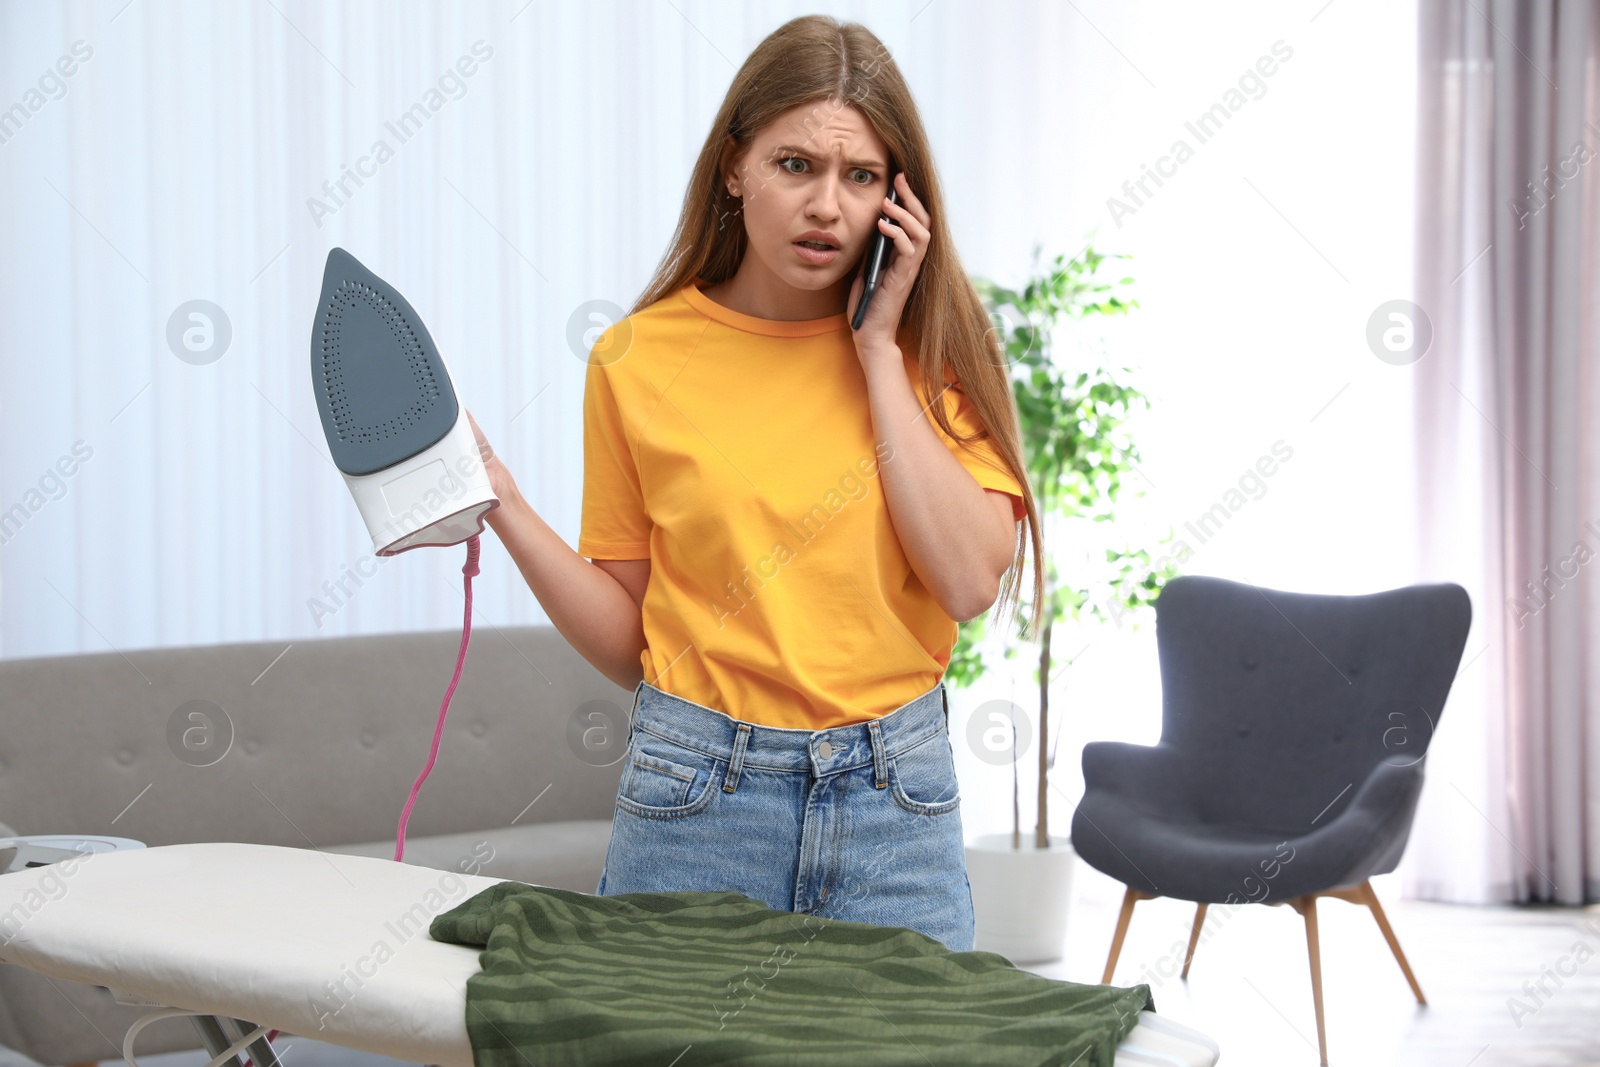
(1506, 441)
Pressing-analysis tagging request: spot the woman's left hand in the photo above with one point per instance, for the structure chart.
(909, 231)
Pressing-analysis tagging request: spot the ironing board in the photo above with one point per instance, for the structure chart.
(329, 947)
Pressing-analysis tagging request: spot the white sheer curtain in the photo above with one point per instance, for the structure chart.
(180, 160)
(1507, 269)
(187, 160)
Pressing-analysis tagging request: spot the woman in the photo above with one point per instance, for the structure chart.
(784, 518)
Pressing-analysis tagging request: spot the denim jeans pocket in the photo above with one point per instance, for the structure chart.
(663, 780)
(922, 779)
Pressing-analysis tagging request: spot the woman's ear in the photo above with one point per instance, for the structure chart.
(730, 166)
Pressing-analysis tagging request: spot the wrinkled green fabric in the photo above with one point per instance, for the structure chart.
(689, 979)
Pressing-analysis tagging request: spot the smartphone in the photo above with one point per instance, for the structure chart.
(876, 260)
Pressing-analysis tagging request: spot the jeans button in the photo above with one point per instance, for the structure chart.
(824, 750)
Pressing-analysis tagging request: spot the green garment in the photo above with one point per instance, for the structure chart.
(689, 979)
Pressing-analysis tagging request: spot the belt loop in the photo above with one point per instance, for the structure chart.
(944, 695)
(633, 712)
(880, 764)
(741, 739)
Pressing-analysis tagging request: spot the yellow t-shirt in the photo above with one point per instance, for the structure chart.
(737, 455)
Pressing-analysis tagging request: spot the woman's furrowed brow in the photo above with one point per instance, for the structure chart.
(795, 150)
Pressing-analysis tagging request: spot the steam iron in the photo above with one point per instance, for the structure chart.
(399, 438)
(389, 412)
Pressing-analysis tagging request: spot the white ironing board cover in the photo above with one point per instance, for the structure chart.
(265, 933)
(254, 932)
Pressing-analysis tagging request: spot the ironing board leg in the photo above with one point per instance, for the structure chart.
(219, 1033)
(211, 1033)
(261, 1051)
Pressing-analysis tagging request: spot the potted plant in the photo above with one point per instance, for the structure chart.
(1077, 457)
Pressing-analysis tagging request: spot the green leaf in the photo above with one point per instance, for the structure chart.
(1070, 406)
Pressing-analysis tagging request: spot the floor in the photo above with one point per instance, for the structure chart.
(1249, 987)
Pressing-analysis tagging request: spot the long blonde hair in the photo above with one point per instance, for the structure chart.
(817, 58)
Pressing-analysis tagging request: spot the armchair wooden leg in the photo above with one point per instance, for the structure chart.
(1194, 937)
(1370, 899)
(1307, 907)
(1129, 899)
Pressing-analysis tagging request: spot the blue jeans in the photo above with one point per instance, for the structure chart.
(857, 822)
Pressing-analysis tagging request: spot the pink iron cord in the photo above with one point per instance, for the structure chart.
(469, 571)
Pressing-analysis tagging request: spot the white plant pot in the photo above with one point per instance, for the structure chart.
(1020, 896)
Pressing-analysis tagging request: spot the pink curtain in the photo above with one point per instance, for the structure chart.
(1508, 217)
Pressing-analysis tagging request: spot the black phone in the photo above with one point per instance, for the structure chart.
(876, 259)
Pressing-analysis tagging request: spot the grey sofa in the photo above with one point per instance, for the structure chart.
(312, 744)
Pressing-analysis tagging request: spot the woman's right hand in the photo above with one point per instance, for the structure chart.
(500, 479)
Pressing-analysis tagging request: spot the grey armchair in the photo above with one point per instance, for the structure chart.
(1293, 733)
